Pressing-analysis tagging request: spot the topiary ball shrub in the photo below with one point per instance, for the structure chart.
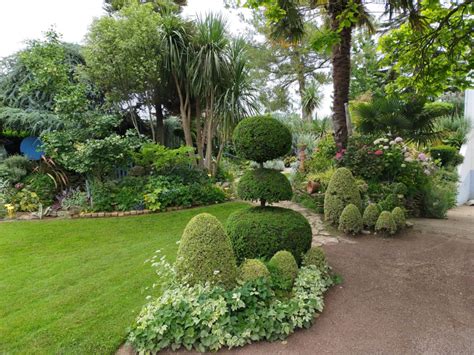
(350, 221)
(205, 253)
(449, 156)
(284, 269)
(399, 217)
(259, 232)
(342, 190)
(261, 138)
(252, 269)
(371, 214)
(315, 256)
(385, 224)
(267, 185)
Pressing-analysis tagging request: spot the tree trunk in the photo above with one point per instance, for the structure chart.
(160, 127)
(341, 73)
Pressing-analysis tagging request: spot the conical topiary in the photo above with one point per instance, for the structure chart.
(351, 220)
(371, 214)
(315, 256)
(342, 190)
(284, 269)
(399, 217)
(385, 224)
(205, 253)
(252, 269)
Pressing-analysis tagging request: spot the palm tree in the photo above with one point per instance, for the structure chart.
(311, 100)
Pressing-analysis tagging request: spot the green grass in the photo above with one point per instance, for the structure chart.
(74, 286)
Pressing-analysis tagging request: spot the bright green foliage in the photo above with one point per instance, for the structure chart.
(385, 223)
(284, 269)
(371, 215)
(350, 220)
(205, 253)
(259, 232)
(252, 269)
(161, 158)
(261, 138)
(264, 184)
(316, 256)
(342, 190)
(399, 217)
(448, 155)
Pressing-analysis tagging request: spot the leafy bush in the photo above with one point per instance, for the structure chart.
(316, 256)
(260, 232)
(129, 195)
(103, 196)
(371, 215)
(283, 269)
(390, 202)
(73, 198)
(14, 168)
(252, 269)
(261, 138)
(385, 223)
(43, 185)
(350, 220)
(342, 190)
(323, 156)
(448, 155)
(264, 184)
(162, 159)
(399, 217)
(205, 253)
(323, 177)
(26, 201)
(438, 197)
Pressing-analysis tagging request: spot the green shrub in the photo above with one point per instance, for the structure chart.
(350, 220)
(205, 253)
(259, 232)
(261, 138)
(399, 217)
(129, 195)
(390, 202)
(264, 184)
(371, 214)
(385, 223)
(14, 168)
(252, 269)
(103, 196)
(448, 155)
(44, 186)
(284, 269)
(342, 190)
(315, 256)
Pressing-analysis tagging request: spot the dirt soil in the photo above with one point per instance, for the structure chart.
(410, 294)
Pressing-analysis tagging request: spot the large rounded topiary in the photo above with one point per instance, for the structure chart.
(259, 232)
(284, 269)
(399, 217)
(371, 214)
(252, 269)
(315, 256)
(342, 190)
(385, 224)
(261, 138)
(266, 185)
(350, 220)
(205, 253)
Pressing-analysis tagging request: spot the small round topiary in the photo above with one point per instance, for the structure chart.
(266, 185)
(261, 138)
(399, 217)
(284, 269)
(371, 214)
(252, 269)
(385, 223)
(205, 253)
(315, 256)
(351, 220)
(390, 202)
(259, 232)
(342, 190)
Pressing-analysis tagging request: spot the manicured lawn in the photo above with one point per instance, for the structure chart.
(74, 286)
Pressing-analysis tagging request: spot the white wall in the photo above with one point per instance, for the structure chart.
(466, 169)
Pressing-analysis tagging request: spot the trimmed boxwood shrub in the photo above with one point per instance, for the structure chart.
(448, 155)
(284, 269)
(385, 223)
(399, 217)
(252, 269)
(259, 232)
(264, 184)
(342, 190)
(351, 220)
(371, 214)
(205, 253)
(315, 256)
(261, 138)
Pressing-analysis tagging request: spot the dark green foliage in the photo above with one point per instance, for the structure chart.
(371, 214)
(399, 217)
(439, 195)
(342, 190)
(103, 196)
(448, 155)
(14, 168)
(385, 224)
(351, 220)
(390, 202)
(205, 253)
(284, 269)
(44, 187)
(259, 232)
(315, 256)
(129, 195)
(261, 138)
(264, 184)
(252, 269)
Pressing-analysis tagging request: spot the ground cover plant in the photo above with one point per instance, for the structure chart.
(75, 286)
